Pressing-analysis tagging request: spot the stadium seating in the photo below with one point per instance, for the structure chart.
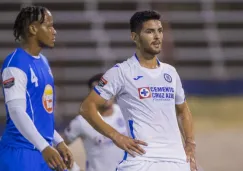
(93, 35)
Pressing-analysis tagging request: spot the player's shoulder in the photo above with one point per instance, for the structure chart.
(168, 67)
(43, 57)
(126, 65)
(13, 57)
(129, 63)
(16, 59)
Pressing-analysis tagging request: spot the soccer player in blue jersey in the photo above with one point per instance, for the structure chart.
(28, 86)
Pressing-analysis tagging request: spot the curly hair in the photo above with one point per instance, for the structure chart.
(25, 17)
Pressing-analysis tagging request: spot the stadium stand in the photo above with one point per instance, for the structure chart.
(93, 35)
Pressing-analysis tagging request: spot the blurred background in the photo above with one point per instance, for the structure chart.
(202, 38)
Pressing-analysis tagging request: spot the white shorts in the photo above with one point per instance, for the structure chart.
(152, 166)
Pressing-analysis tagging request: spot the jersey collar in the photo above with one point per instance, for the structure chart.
(136, 57)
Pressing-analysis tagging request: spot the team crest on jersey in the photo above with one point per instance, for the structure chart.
(8, 83)
(47, 99)
(102, 82)
(168, 78)
(144, 92)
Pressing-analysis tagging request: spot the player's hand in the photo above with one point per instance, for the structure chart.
(53, 158)
(130, 145)
(66, 154)
(190, 153)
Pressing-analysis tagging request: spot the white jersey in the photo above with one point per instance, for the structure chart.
(101, 153)
(147, 98)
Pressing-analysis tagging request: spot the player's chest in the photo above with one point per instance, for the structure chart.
(39, 75)
(142, 86)
(40, 85)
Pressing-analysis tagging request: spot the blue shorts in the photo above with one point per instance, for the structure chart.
(21, 159)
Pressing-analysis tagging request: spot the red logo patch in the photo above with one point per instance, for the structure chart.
(102, 82)
(144, 92)
(8, 83)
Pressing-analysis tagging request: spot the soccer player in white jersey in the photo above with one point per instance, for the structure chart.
(150, 96)
(101, 153)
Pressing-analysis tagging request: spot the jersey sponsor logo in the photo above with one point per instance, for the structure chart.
(157, 93)
(8, 83)
(144, 92)
(47, 98)
(162, 93)
(168, 78)
(138, 77)
(102, 82)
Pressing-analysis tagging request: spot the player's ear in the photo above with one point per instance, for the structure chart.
(33, 29)
(134, 37)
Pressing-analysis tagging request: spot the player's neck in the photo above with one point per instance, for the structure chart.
(31, 47)
(147, 60)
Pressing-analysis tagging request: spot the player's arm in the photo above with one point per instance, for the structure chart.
(57, 139)
(186, 125)
(181, 128)
(63, 149)
(109, 86)
(24, 124)
(186, 122)
(14, 86)
(89, 110)
(183, 112)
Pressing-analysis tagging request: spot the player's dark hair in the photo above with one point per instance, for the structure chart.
(96, 77)
(25, 17)
(137, 20)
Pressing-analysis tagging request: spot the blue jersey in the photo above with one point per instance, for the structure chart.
(39, 95)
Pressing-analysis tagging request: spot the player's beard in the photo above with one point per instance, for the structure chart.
(146, 47)
(44, 45)
(151, 51)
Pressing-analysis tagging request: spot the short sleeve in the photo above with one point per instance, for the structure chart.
(180, 95)
(74, 129)
(14, 83)
(111, 83)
